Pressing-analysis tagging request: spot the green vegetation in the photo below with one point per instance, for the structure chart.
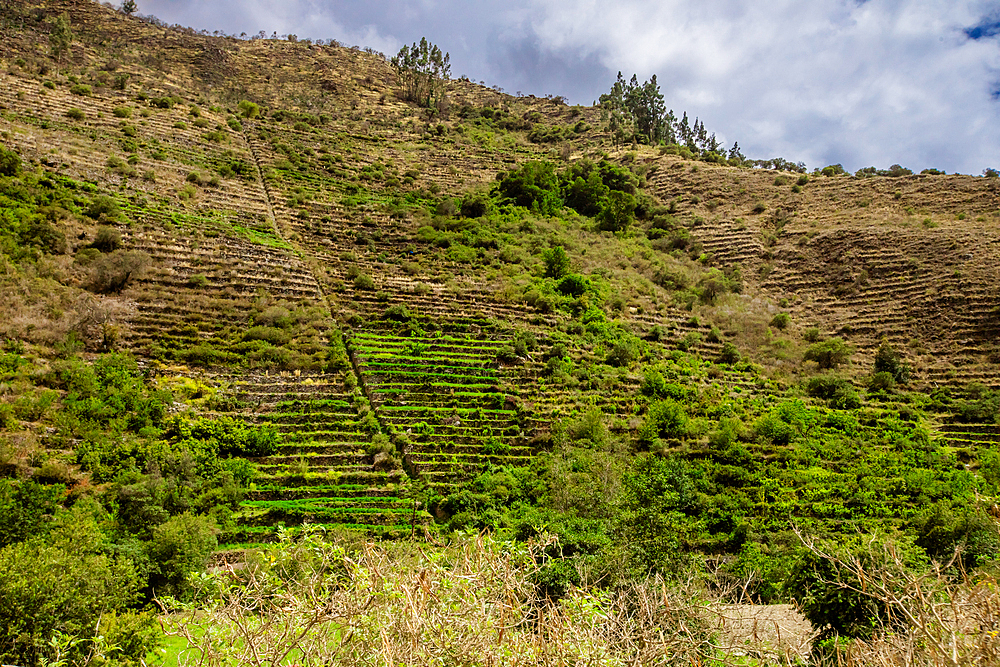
(322, 317)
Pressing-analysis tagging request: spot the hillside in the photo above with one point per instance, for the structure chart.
(245, 281)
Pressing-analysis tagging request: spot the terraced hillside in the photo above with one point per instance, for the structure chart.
(912, 259)
(309, 244)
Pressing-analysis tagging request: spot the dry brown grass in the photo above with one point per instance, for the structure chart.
(315, 603)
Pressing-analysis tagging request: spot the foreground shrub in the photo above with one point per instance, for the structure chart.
(60, 585)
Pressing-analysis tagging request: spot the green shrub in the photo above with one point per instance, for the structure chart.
(496, 447)
(475, 205)
(249, 109)
(729, 354)
(889, 360)
(836, 600)
(556, 262)
(399, 313)
(838, 392)
(179, 547)
(61, 584)
(75, 114)
(108, 239)
(664, 419)
(829, 353)
(507, 355)
(364, 282)
(617, 212)
(771, 428)
(102, 207)
(10, 162)
(573, 284)
(81, 89)
(268, 334)
(623, 351)
(781, 321)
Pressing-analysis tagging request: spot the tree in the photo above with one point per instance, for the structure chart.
(178, 547)
(618, 211)
(129, 7)
(889, 360)
(829, 353)
(556, 262)
(635, 107)
(60, 37)
(421, 68)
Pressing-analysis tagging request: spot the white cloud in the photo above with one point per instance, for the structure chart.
(824, 81)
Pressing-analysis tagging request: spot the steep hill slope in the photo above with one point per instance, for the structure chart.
(307, 259)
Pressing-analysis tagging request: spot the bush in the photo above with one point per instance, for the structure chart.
(10, 162)
(249, 109)
(771, 428)
(838, 585)
(364, 282)
(27, 508)
(75, 114)
(664, 419)
(556, 262)
(623, 352)
(781, 321)
(108, 239)
(180, 546)
(102, 207)
(112, 272)
(475, 205)
(838, 392)
(573, 285)
(617, 212)
(267, 334)
(81, 89)
(62, 584)
(889, 360)
(729, 354)
(829, 353)
(399, 313)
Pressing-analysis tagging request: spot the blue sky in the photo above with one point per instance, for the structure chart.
(859, 82)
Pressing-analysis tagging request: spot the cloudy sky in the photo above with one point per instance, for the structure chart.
(859, 82)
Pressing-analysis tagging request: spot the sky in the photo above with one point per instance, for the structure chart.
(855, 82)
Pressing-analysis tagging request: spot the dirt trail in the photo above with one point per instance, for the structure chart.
(779, 629)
